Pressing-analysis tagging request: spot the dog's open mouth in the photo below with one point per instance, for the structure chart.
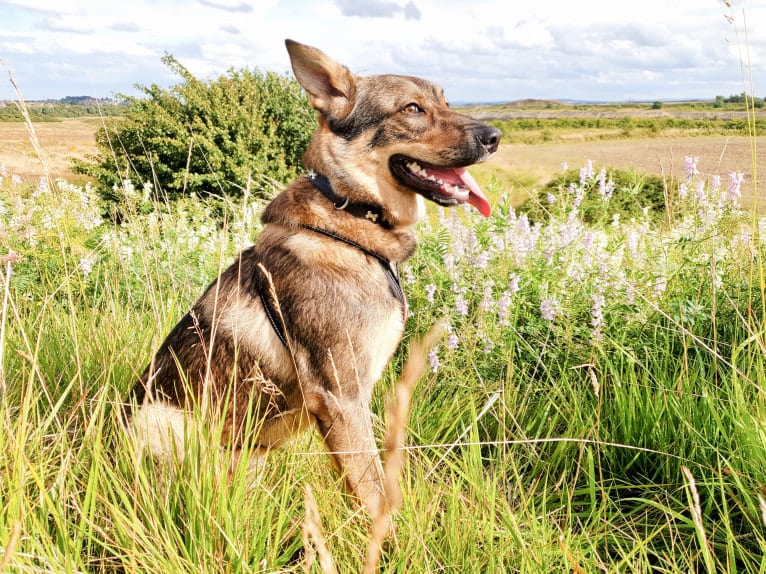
(443, 185)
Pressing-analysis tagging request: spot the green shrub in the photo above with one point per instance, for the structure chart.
(217, 137)
(599, 196)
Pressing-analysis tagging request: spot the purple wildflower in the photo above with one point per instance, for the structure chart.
(487, 302)
(430, 292)
(503, 308)
(86, 264)
(690, 166)
(452, 341)
(461, 305)
(597, 315)
(587, 240)
(481, 260)
(549, 308)
(433, 360)
(409, 276)
(586, 173)
(660, 286)
(700, 190)
(735, 182)
(605, 187)
(450, 265)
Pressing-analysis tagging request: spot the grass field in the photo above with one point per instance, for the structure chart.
(60, 141)
(599, 404)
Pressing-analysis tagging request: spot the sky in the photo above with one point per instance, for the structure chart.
(478, 50)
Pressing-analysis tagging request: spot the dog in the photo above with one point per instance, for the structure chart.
(297, 331)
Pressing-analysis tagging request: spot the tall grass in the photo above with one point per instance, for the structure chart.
(599, 403)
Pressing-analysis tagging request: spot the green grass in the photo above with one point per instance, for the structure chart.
(589, 364)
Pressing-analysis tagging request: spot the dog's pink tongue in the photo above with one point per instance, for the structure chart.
(476, 196)
(460, 177)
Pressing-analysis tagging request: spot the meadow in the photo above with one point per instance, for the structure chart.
(598, 405)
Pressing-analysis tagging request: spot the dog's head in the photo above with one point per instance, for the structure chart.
(384, 137)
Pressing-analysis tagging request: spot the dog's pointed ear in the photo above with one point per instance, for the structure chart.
(330, 85)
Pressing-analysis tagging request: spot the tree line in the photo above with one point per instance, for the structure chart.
(743, 98)
(69, 107)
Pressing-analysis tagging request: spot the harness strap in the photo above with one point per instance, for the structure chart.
(392, 273)
(389, 269)
(276, 323)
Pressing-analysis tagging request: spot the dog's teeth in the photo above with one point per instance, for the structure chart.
(431, 178)
(440, 182)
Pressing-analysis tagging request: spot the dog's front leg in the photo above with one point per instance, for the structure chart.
(346, 427)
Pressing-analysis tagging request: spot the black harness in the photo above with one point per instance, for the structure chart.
(368, 211)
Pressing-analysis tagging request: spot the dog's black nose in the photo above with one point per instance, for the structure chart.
(489, 137)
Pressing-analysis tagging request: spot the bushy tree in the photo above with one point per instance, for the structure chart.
(246, 128)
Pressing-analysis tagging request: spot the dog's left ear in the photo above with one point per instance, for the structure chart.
(330, 85)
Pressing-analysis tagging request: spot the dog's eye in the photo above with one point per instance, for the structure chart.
(412, 108)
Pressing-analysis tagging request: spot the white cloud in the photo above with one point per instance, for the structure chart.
(228, 6)
(477, 49)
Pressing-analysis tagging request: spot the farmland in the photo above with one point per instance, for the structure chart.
(526, 159)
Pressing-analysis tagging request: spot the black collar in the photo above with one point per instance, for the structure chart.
(364, 210)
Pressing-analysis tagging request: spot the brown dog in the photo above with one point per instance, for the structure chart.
(299, 328)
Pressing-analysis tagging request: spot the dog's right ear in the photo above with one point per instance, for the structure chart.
(330, 85)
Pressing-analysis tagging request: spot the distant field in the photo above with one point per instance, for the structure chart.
(60, 141)
(522, 166)
(518, 166)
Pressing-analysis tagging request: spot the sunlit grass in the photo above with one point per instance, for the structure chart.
(599, 404)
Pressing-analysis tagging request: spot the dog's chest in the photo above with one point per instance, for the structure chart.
(384, 338)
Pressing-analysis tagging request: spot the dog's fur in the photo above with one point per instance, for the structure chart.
(341, 319)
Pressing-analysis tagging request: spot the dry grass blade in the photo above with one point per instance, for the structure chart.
(313, 540)
(10, 548)
(275, 302)
(398, 415)
(696, 511)
(6, 297)
(22, 107)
